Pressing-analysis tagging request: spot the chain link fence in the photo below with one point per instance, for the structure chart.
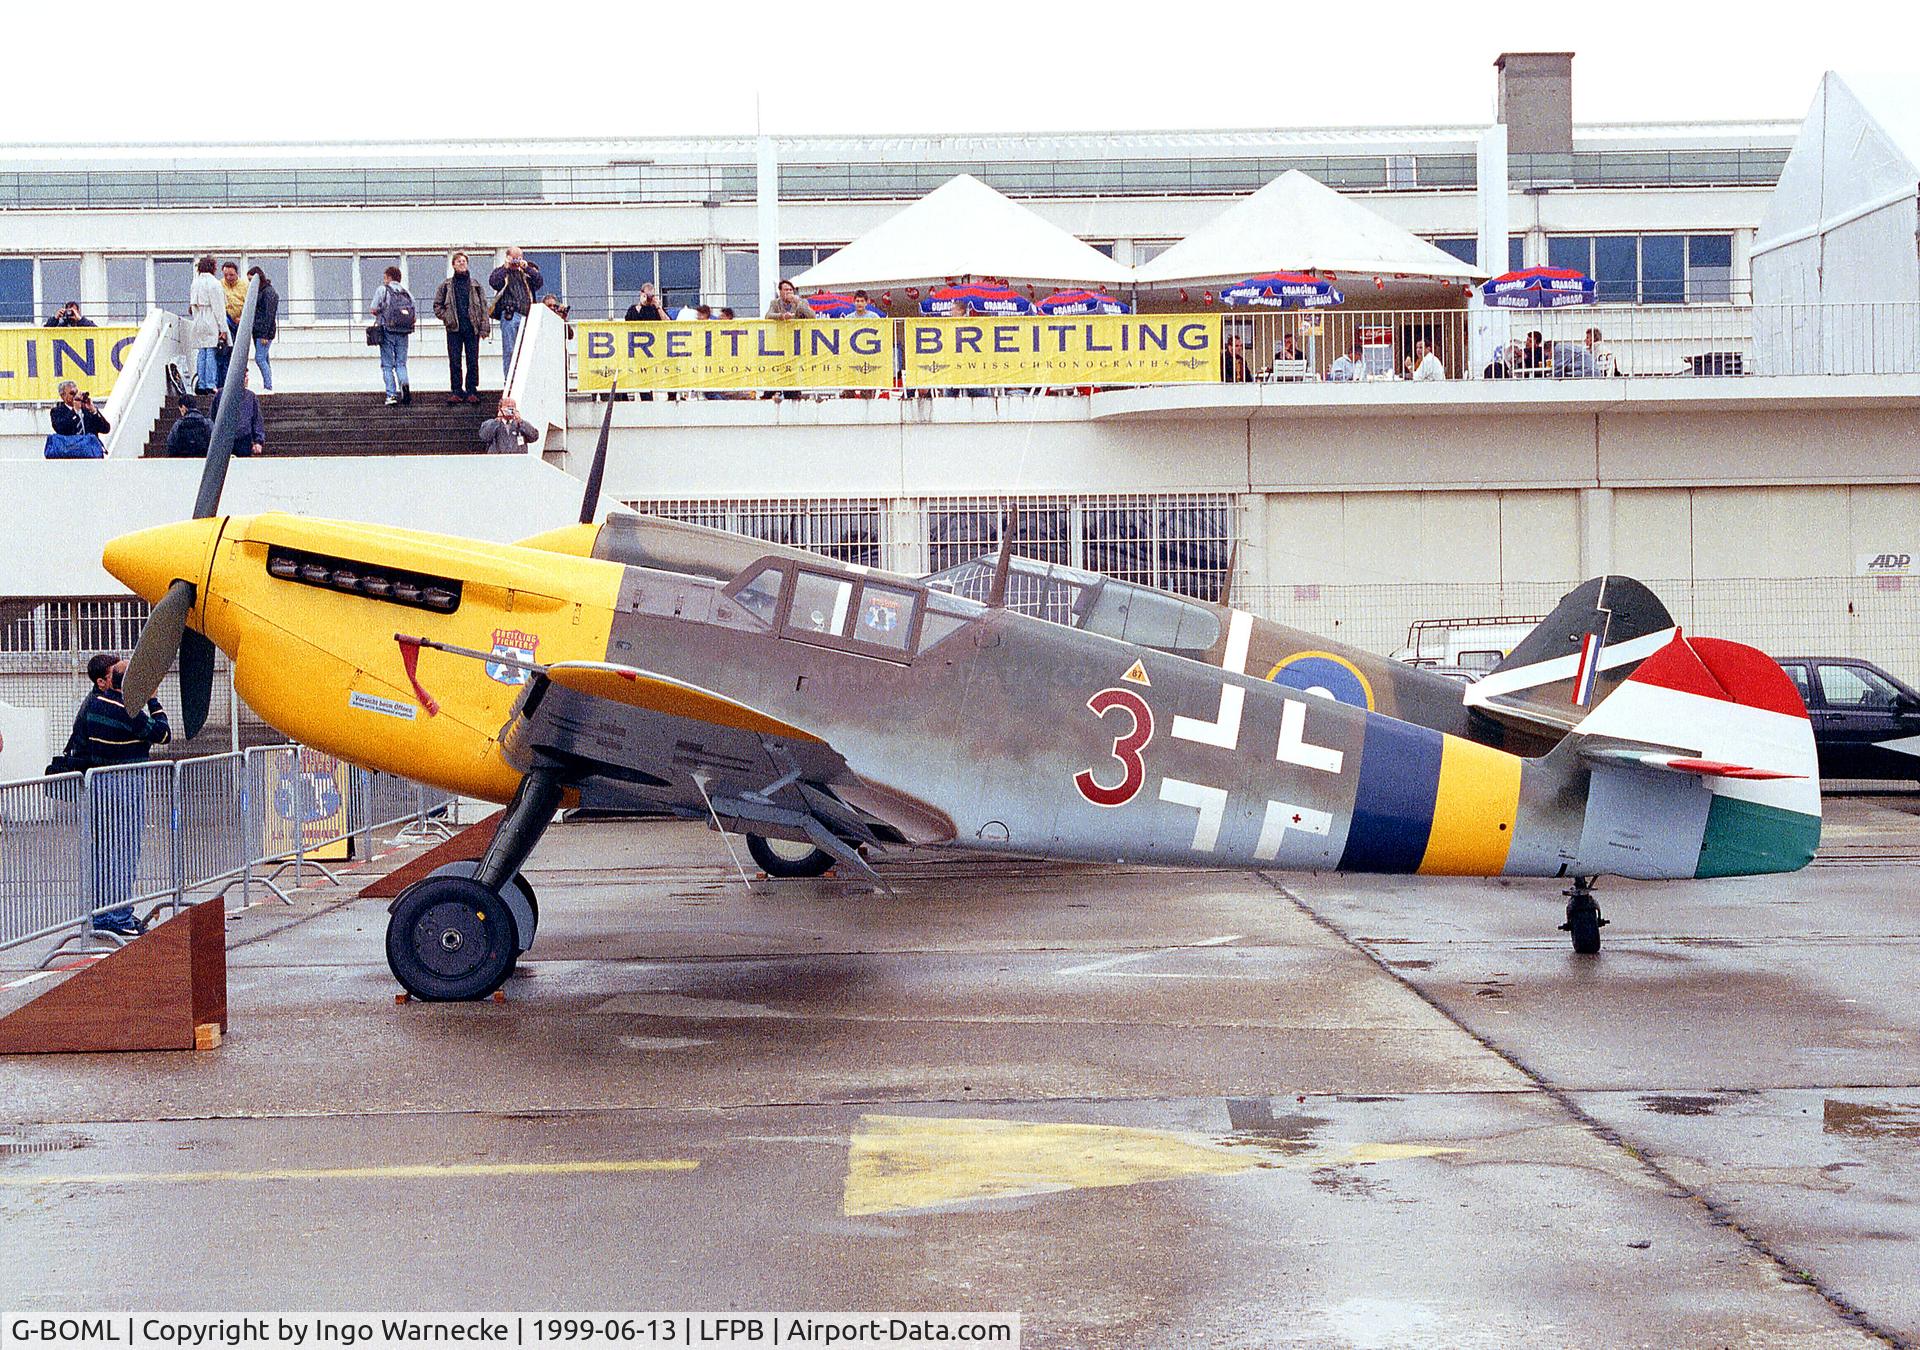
(76, 846)
(1875, 618)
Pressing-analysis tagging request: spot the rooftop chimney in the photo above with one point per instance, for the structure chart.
(1536, 102)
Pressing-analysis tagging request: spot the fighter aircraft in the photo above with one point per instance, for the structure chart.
(837, 707)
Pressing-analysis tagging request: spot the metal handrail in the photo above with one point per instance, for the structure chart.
(667, 184)
(74, 846)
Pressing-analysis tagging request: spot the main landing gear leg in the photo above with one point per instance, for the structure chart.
(1583, 917)
(454, 938)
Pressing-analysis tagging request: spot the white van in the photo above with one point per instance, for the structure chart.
(1475, 643)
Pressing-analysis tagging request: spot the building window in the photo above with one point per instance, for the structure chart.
(16, 290)
(126, 289)
(1650, 269)
(1710, 268)
(1466, 247)
(332, 287)
(33, 289)
(675, 273)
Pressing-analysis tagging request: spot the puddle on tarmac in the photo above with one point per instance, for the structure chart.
(1255, 1125)
(1868, 1120)
(1666, 1105)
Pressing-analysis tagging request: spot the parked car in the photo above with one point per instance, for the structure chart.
(1866, 723)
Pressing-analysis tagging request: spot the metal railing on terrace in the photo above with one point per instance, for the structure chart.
(1367, 345)
(703, 184)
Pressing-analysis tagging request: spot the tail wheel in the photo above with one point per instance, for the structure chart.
(1585, 929)
(785, 858)
(450, 940)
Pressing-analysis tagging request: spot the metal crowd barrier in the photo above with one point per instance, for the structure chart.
(75, 847)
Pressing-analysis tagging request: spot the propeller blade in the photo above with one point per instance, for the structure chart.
(196, 682)
(591, 500)
(159, 643)
(220, 449)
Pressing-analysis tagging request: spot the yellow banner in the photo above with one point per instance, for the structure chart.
(312, 788)
(738, 354)
(33, 361)
(1058, 350)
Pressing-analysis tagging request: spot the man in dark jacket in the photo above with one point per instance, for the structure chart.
(192, 434)
(516, 285)
(105, 734)
(75, 414)
(249, 428)
(461, 305)
(70, 317)
(266, 324)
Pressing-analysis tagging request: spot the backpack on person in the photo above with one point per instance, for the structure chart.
(398, 316)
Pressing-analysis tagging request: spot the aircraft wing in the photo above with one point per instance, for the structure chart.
(635, 739)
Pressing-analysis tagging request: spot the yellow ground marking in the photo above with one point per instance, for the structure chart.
(404, 1172)
(1137, 673)
(900, 1163)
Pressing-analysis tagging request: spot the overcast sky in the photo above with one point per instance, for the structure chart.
(977, 65)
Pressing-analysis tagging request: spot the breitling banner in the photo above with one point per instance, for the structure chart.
(33, 361)
(1054, 350)
(744, 354)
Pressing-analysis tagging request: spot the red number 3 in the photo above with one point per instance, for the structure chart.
(1126, 748)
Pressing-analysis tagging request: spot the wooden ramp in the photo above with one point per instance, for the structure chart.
(166, 990)
(466, 846)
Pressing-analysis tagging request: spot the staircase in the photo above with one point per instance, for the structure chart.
(355, 424)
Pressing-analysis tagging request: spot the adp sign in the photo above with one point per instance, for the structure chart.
(1888, 563)
(33, 361)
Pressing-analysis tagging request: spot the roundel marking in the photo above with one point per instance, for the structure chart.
(1325, 674)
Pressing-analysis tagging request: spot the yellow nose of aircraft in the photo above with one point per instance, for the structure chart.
(148, 561)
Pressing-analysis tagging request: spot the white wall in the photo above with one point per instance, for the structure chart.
(53, 549)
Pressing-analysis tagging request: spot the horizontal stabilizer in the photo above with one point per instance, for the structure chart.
(1671, 759)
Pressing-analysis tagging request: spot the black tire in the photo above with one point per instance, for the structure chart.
(450, 940)
(813, 863)
(1585, 929)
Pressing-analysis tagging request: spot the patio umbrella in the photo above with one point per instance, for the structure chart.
(985, 297)
(831, 304)
(1284, 290)
(1539, 288)
(1083, 302)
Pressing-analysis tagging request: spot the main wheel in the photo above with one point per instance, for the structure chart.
(450, 939)
(785, 858)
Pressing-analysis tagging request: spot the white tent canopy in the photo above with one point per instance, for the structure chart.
(1839, 226)
(963, 228)
(1296, 223)
(1835, 272)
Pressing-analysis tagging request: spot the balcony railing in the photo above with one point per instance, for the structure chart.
(669, 184)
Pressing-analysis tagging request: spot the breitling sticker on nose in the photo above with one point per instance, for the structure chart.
(386, 707)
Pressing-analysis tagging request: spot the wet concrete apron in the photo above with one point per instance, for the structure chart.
(1145, 1108)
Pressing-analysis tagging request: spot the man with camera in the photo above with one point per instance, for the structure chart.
(70, 317)
(75, 415)
(516, 284)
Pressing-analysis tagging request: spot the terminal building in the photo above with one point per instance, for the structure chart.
(1753, 488)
